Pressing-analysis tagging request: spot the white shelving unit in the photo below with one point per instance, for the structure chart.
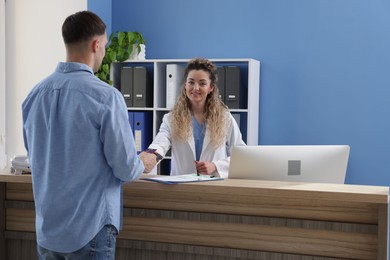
(250, 81)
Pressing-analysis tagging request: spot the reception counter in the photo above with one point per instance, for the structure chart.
(226, 219)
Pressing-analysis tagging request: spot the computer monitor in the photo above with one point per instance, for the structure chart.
(298, 163)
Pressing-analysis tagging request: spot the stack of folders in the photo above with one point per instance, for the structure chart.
(233, 93)
(136, 87)
(141, 123)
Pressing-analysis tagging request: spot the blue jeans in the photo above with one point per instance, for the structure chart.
(101, 247)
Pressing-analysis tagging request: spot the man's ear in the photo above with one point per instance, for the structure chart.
(95, 45)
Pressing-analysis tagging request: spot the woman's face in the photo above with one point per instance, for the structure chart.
(198, 86)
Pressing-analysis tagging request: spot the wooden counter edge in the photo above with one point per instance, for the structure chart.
(9, 177)
(378, 194)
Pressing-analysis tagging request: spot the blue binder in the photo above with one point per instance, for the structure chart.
(131, 121)
(143, 131)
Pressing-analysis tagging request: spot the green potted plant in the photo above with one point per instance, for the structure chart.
(121, 47)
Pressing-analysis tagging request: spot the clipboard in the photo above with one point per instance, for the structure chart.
(193, 177)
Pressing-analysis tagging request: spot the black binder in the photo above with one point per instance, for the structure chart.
(142, 88)
(127, 85)
(221, 82)
(116, 71)
(233, 85)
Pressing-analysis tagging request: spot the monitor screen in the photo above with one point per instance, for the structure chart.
(298, 163)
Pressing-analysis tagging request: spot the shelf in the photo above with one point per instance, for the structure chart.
(249, 79)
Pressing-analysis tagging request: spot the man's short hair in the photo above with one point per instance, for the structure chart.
(82, 26)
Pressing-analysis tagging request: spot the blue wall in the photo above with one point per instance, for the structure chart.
(104, 9)
(324, 65)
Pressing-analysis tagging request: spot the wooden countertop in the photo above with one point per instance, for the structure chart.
(317, 219)
(348, 192)
(7, 176)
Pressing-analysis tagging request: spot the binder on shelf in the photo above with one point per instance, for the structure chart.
(233, 87)
(241, 119)
(143, 132)
(126, 85)
(221, 82)
(237, 117)
(174, 80)
(142, 88)
(131, 121)
(248, 79)
(115, 74)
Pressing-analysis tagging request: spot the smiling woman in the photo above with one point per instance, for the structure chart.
(197, 88)
(200, 129)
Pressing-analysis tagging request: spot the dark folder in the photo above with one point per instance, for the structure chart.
(116, 70)
(221, 82)
(233, 97)
(142, 88)
(127, 85)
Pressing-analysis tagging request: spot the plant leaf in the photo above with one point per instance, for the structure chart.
(121, 38)
(131, 38)
(106, 68)
(111, 57)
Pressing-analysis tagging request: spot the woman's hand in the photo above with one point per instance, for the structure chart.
(206, 168)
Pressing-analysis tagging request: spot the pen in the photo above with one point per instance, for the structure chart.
(197, 172)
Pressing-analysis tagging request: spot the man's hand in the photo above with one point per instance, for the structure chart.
(149, 160)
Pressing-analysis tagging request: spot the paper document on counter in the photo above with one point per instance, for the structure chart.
(193, 177)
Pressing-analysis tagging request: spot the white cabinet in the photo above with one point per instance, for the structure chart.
(247, 114)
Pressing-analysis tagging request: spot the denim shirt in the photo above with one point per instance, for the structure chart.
(81, 150)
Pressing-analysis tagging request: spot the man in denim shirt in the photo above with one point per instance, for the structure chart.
(81, 149)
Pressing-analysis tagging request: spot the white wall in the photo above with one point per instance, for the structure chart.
(2, 85)
(34, 46)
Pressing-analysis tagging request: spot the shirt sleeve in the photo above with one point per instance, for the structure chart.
(162, 142)
(118, 141)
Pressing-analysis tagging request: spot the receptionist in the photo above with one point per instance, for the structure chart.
(200, 129)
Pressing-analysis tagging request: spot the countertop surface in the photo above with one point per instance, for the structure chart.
(379, 194)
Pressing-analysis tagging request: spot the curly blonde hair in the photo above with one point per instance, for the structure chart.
(215, 110)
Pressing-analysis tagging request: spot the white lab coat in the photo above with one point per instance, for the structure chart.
(183, 153)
